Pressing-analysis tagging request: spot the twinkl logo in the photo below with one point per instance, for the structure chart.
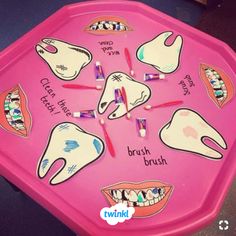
(117, 213)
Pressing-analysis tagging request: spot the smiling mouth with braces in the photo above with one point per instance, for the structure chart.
(12, 109)
(218, 84)
(15, 116)
(148, 198)
(106, 25)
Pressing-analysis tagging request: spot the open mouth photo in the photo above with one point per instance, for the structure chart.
(148, 198)
(107, 25)
(218, 84)
(16, 117)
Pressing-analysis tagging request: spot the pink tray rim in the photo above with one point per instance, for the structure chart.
(68, 214)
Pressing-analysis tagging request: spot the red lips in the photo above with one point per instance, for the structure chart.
(218, 84)
(14, 113)
(148, 198)
(107, 25)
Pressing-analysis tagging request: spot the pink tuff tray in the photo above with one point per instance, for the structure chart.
(175, 183)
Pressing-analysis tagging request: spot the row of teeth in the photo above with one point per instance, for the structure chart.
(108, 25)
(217, 84)
(13, 111)
(138, 197)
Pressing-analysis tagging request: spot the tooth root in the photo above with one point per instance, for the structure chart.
(186, 131)
(107, 98)
(53, 42)
(120, 111)
(164, 58)
(46, 55)
(177, 43)
(75, 156)
(66, 172)
(70, 57)
(163, 37)
(215, 136)
(207, 151)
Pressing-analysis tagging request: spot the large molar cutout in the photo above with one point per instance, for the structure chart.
(74, 146)
(64, 59)
(157, 53)
(187, 131)
(136, 92)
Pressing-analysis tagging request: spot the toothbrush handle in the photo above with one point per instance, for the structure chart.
(109, 143)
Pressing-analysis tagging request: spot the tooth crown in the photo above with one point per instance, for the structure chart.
(68, 59)
(187, 130)
(163, 57)
(137, 94)
(72, 144)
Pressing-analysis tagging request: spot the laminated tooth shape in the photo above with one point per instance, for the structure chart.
(136, 92)
(187, 131)
(15, 116)
(65, 60)
(77, 148)
(157, 53)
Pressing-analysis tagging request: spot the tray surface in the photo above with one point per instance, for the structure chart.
(172, 164)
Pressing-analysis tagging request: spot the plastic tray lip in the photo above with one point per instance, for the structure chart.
(67, 213)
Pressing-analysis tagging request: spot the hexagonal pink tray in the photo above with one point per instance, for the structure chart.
(199, 184)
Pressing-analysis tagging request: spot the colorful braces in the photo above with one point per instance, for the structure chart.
(148, 198)
(219, 86)
(16, 117)
(107, 25)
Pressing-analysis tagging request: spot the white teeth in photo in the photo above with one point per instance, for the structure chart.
(156, 200)
(133, 196)
(118, 194)
(137, 197)
(151, 202)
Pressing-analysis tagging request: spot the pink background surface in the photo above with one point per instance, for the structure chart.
(194, 178)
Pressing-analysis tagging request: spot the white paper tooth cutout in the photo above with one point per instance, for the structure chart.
(157, 53)
(74, 146)
(187, 131)
(66, 61)
(137, 94)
